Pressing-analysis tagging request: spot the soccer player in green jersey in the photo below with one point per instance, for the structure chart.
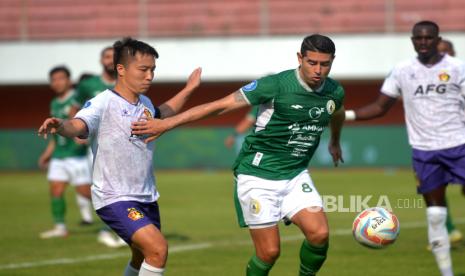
(272, 181)
(65, 159)
(94, 85)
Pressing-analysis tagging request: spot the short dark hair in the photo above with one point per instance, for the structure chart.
(318, 43)
(427, 23)
(128, 47)
(60, 68)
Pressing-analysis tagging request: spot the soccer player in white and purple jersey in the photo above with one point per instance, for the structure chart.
(124, 192)
(432, 86)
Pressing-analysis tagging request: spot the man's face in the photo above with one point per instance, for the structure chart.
(107, 61)
(425, 41)
(314, 67)
(139, 72)
(60, 82)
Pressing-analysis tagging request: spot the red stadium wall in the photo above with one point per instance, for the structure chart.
(27, 106)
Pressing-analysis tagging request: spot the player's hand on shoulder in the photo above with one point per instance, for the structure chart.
(194, 79)
(153, 127)
(50, 125)
(336, 153)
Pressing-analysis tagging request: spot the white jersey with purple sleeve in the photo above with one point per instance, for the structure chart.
(122, 167)
(433, 99)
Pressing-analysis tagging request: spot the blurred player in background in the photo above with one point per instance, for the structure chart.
(65, 159)
(272, 180)
(446, 47)
(431, 86)
(123, 190)
(91, 86)
(235, 140)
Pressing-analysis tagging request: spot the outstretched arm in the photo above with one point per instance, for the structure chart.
(155, 127)
(376, 109)
(68, 128)
(337, 120)
(174, 105)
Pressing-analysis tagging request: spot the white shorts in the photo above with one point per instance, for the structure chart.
(74, 170)
(261, 203)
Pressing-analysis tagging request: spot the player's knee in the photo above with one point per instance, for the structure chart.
(270, 254)
(156, 254)
(319, 236)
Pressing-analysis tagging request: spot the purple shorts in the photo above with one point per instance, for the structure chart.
(439, 167)
(126, 217)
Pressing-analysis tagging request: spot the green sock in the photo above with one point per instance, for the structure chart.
(449, 224)
(311, 258)
(58, 209)
(257, 267)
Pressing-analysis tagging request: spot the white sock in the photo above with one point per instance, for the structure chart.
(85, 207)
(148, 270)
(60, 226)
(439, 239)
(130, 271)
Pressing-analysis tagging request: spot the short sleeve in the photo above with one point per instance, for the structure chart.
(391, 85)
(91, 113)
(261, 91)
(81, 94)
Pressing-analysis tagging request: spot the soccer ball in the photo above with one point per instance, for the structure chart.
(375, 227)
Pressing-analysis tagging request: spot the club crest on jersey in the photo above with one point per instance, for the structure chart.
(315, 112)
(250, 87)
(330, 106)
(255, 206)
(134, 214)
(147, 113)
(444, 77)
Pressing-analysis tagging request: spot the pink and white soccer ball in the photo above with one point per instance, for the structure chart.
(376, 227)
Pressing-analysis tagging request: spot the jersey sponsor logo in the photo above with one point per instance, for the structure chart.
(250, 87)
(444, 77)
(87, 104)
(440, 89)
(297, 106)
(330, 106)
(255, 206)
(315, 112)
(134, 214)
(257, 159)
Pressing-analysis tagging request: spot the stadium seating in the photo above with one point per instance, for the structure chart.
(93, 19)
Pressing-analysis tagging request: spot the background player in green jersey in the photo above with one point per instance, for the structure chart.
(272, 181)
(94, 85)
(65, 159)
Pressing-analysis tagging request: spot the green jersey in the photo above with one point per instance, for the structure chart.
(290, 121)
(65, 147)
(89, 88)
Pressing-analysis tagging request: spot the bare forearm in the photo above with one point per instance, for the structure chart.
(72, 128)
(195, 114)
(175, 104)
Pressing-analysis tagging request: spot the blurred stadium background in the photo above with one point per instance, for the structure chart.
(234, 42)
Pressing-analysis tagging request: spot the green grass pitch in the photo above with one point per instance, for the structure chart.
(199, 222)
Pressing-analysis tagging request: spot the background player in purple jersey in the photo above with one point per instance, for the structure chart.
(432, 86)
